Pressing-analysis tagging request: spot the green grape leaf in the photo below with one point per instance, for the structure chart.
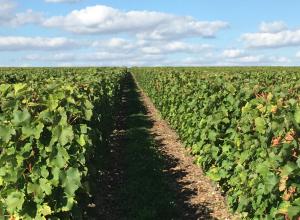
(293, 211)
(83, 128)
(66, 135)
(18, 87)
(52, 102)
(260, 125)
(59, 161)
(44, 172)
(55, 171)
(88, 114)
(69, 204)
(270, 182)
(71, 181)
(213, 173)
(21, 117)
(6, 133)
(81, 140)
(297, 115)
(288, 169)
(4, 88)
(88, 104)
(34, 131)
(63, 134)
(34, 188)
(45, 186)
(298, 162)
(14, 201)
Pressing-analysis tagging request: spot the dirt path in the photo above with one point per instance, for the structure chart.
(146, 173)
(201, 198)
(109, 165)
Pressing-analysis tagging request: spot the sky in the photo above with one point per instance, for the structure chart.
(149, 33)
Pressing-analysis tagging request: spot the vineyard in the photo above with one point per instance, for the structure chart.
(241, 126)
(53, 121)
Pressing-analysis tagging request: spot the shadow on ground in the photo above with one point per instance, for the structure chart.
(138, 182)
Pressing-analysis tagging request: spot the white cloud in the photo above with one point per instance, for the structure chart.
(284, 38)
(261, 59)
(6, 10)
(175, 47)
(95, 59)
(13, 43)
(193, 61)
(182, 27)
(107, 56)
(272, 27)
(233, 53)
(215, 59)
(138, 58)
(103, 47)
(251, 59)
(9, 17)
(128, 52)
(102, 19)
(62, 1)
(115, 44)
(149, 47)
(57, 57)
(6, 7)
(27, 17)
(238, 56)
(280, 59)
(242, 57)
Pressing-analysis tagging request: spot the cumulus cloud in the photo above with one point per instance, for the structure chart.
(182, 27)
(272, 35)
(9, 17)
(260, 59)
(244, 57)
(149, 47)
(193, 61)
(6, 7)
(6, 10)
(56, 57)
(175, 47)
(298, 54)
(138, 58)
(272, 27)
(233, 53)
(27, 17)
(13, 43)
(95, 59)
(102, 19)
(107, 56)
(115, 44)
(280, 59)
(251, 59)
(284, 38)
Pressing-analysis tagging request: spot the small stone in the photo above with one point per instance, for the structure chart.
(91, 205)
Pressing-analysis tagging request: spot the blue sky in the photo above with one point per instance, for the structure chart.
(149, 33)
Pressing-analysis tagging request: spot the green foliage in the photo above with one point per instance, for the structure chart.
(242, 125)
(48, 121)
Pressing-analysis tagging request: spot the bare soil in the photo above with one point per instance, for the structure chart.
(199, 193)
(148, 173)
